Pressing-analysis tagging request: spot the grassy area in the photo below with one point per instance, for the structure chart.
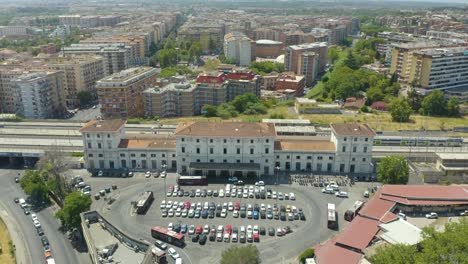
(7, 255)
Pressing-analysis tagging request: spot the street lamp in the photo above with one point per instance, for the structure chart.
(277, 169)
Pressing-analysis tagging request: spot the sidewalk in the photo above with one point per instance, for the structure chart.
(24, 257)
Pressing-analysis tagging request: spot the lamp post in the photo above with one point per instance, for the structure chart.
(277, 169)
(164, 170)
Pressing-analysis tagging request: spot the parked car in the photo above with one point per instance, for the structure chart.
(341, 194)
(432, 215)
(173, 253)
(464, 213)
(271, 231)
(160, 244)
(202, 239)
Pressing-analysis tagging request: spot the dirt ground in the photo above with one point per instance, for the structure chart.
(5, 256)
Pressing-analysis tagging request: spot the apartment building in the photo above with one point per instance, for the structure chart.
(89, 21)
(402, 57)
(121, 94)
(38, 95)
(136, 43)
(301, 60)
(292, 82)
(239, 47)
(209, 35)
(80, 74)
(241, 82)
(269, 81)
(117, 57)
(222, 149)
(171, 100)
(440, 68)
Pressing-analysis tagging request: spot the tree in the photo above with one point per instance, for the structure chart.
(240, 255)
(209, 110)
(167, 72)
(241, 102)
(393, 170)
(453, 106)
(414, 99)
(167, 57)
(448, 246)
(266, 67)
(400, 110)
(333, 54)
(351, 61)
(212, 46)
(75, 203)
(34, 183)
(54, 163)
(308, 253)
(84, 97)
(374, 94)
(434, 104)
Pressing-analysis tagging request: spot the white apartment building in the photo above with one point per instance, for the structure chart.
(222, 149)
(239, 47)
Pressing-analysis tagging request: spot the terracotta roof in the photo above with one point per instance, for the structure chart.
(103, 125)
(426, 192)
(329, 253)
(304, 145)
(225, 129)
(352, 130)
(148, 144)
(376, 208)
(388, 217)
(359, 233)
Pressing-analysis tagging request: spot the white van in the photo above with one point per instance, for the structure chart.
(22, 203)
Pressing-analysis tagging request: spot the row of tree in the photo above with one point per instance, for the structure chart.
(173, 52)
(266, 67)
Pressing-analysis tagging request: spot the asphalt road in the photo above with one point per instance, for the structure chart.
(87, 114)
(272, 249)
(62, 250)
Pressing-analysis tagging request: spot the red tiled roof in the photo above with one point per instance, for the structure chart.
(329, 253)
(376, 208)
(426, 192)
(358, 233)
(241, 75)
(388, 217)
(211, 79)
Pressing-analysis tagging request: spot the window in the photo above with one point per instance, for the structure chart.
(355, 139)
(343, 149)
(238, 161)
(99, 145)
(198, 160)
(353, 159)
(251, 161)
(319, 157)
(122, 155)
(198, 140)
(309, 157)
(183, 149)
(251, 141)
(109, 145)
(143, 155)
(173, 155)
(287, 156)
(211, 140)
(345, 139)
(267, 140)
(225, 150)
(224, 161)
(251, 151)
(366, 139)
(198, 150)
(211, 150)
(238, 141)
(132, 155)
(238, 150)
(183, 160)
(87, 135)
(108, 135)
(363, 159)
(267, 150)
(277, 156)
(266, 161)
(98, 135)
(153, 155)
(298, 157)
(330, 158)
(182, 139)
(365, 149)
(225, 141)
(163, 155)
(90, 155)
(354, 149)
(211, 160)
(89, 144)
(100, 155)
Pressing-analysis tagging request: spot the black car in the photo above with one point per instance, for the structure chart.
(271, 231)
(26, 211)
(114, 187)
(262, 214)
(219, 207)
(235, 230)
(40, 232)
(243, 207)
(242, 237)
(256, 207)
(176, 228)
(283, 216)
(282, 208)
(45, 241)
(195, 238)
(212, 206)
(262, 230)
(212, 237)
(218, 213)
(202, 240)
(215, 193)
(211, 214)
(204, 214)
(192, 193)
(301, 216)
(257, 195)
(262, 195)
(186, 194)
(107, 190)
(242, 214)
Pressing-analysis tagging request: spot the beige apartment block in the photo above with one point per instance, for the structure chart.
(121, 94)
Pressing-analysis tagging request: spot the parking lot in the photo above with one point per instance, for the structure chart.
(117, 207)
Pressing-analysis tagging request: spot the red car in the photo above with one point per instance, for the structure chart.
(237, 206)
(256, 237)
(228, 229)
(199, 230)
(187, 205)
(171, 188)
